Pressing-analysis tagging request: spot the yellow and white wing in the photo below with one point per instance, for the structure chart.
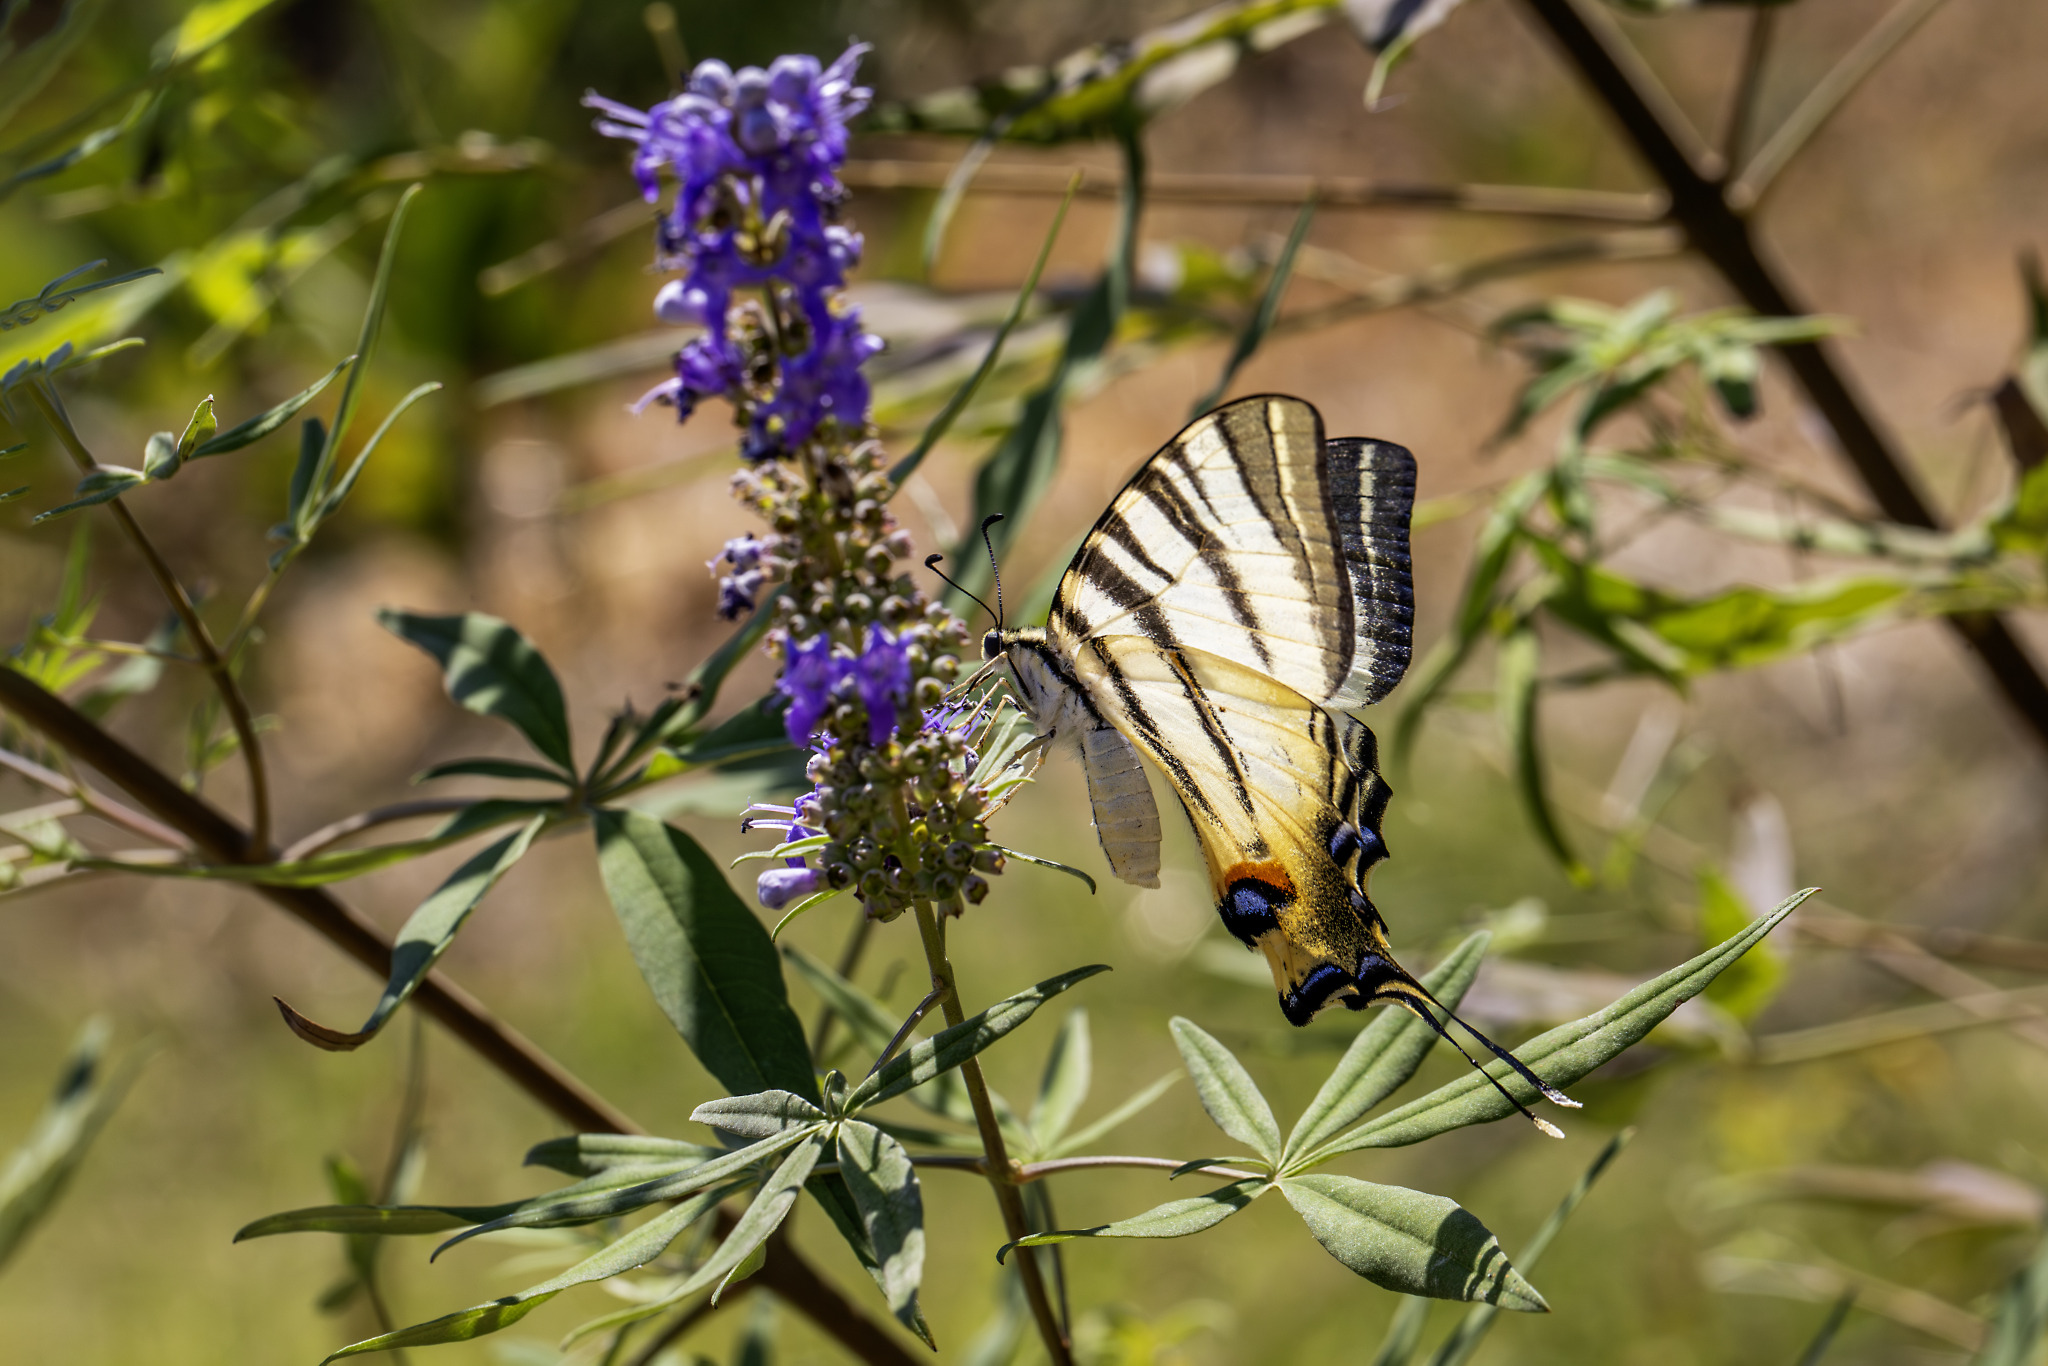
(1285, 800)
(1250, 537)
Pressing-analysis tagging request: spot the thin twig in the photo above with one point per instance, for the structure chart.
(786, 1272)
(337, 831)
(1722, 236)
(216, 665)
(1897, 1026)
(1825, 98)
(689, 1319)
(1756, 51)
(98, 803)
(1008, 1200)
(1225, 189)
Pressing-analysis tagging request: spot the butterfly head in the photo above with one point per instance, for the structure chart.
(992, 644)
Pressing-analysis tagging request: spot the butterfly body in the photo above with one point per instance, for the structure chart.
(1246, 590)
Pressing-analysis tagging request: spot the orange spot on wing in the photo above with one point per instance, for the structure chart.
(1271, 874)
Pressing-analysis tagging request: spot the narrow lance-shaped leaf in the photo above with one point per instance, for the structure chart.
(346, 484)
(491, 669)
(761, 1115)
(874, 1025)
(1228, 1093)
(770, 1207)
(1517, 689)
(1466, 1337)
(427, 933)
(1137, 1104)
(408, 1220)
(637, 1248)
(1174, 1219)
(1068, 1066)
(707, 958)
(2019, 1325)
(951, 1047)
(1261, 322)
(264, 423)
(884, 1185)
(1562, 1055)
(591, 1154)
(1385, 1053)
(36, 1173)
(1410, 1241)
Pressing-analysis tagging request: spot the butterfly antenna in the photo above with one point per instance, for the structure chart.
(1409, 998)
(993, 567)
(931, 562)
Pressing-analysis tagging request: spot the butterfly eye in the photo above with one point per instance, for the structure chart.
(991, 645)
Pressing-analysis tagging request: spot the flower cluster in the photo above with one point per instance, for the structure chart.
(757, 155)
(867, 659)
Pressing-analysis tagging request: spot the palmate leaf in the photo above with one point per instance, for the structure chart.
(1385, 1054)
(1560, 1056)
(1227, 1091)
(491, 669)
(705, 956)
(1410, 1241)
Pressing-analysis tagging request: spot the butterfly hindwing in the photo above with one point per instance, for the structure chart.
(1284, 801)
(1250, 537)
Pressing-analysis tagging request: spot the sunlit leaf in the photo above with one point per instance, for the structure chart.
(1410, 1241)
(1228, 1093)
(36, 1173)
(1174, 1219)
(884, 1186)
(761, 1115)
(493, 670)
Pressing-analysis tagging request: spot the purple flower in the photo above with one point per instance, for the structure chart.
(736, 590)
(882, 674)
(780, 886)
(809, 676)
(756, 155)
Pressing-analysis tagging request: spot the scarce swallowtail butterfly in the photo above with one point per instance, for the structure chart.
(1243, 595)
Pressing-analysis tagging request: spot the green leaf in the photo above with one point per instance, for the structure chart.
(936, 429)
(1053, 864)
(1752, 983)
(770, 1207)
(1075, 1142)
(761, 1115)
(103, 485)
(1404, 1333)
(637, 1248)
(199, 430)
(951, 1047)
(381, 1221)
(2019, 1325)
(1562, 1055)
(494, 768)
(709, 962)
(346, 484)
(1384, 1055)
(36, 1173)
(1516, 693)
(874, 1025)
(492, 670)
(312, 441)
(1065, 1083)
(427, 933)
(1018, 472)
(1465, 1339)
(160, 457)
(1174, 1219)
(204, 27)
(1410, 1241)
(29, 68)
(264, 423)
(1228, 1093)
(1261, 322)
(592, 1154)
(884, 1185)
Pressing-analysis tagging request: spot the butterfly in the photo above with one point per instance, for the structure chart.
(1245, 593)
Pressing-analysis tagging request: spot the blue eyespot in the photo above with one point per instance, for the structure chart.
(1344, 842)
(1248, 909)
(1301, 1004)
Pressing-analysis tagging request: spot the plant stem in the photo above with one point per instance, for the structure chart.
(504, 1048)
(210, 657)
(1721, 235)
(1001, 1173)
(340, 830)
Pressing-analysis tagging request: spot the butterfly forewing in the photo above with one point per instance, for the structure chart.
(1247, 536)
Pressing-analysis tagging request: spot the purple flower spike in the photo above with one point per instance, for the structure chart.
(808, 679)
(780, 886)
(882, 674)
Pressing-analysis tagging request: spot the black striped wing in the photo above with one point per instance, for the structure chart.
(1250, 537)
(1286, 803)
